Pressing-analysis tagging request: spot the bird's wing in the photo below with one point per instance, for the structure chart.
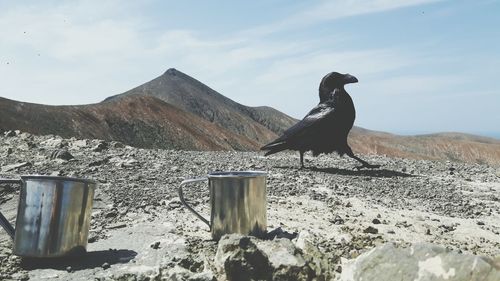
(314, 117)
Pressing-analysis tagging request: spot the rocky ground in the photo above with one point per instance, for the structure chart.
(328, 214)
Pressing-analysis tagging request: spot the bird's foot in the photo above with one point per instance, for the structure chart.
(368, 166)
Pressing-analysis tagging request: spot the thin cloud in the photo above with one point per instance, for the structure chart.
(361, 62)
(420, 86)
(332, 10)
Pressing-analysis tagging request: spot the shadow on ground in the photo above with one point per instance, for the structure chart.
(85, 261)
(378, 173)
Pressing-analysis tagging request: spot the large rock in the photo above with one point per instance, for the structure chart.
(316, 258)
(421, 262)
(248, 258)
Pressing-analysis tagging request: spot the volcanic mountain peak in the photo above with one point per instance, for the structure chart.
(171, 71)
(191, 95)
(177, 77)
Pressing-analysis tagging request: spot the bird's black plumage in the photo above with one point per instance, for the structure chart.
(325, 128)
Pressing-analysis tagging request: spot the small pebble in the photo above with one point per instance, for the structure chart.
(105, 265)
(155, 245)
(92, 238)
(371, 230)
(337, 220)
(111, 214)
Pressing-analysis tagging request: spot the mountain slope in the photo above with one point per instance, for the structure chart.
(141, 121)
(440, 146)
(261, 124)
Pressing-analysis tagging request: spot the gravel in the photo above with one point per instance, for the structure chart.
(453, 204)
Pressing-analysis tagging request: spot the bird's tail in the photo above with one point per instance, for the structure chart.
(274, 147)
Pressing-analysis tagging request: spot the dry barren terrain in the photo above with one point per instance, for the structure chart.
(139, 229)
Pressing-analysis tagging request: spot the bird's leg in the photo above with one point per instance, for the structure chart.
(301, 160)
(363, 162)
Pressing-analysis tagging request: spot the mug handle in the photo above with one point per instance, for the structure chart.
(3, 220)
(181, 196)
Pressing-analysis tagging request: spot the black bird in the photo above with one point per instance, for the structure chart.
(325, 127)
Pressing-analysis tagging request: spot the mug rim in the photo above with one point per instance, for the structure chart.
(237, 174)
(56, 178)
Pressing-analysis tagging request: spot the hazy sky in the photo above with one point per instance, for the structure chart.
(423, 65)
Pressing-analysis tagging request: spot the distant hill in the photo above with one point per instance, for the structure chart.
(174, 87)
(439, 146)
(176, 111)
(142, 121)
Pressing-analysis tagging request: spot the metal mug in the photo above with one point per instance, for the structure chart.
(53, 216)
(238, 202)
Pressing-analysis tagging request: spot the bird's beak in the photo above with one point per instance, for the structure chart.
(348, 78)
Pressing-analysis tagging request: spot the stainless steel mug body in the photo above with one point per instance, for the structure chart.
(53, 217)
(238, 202)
